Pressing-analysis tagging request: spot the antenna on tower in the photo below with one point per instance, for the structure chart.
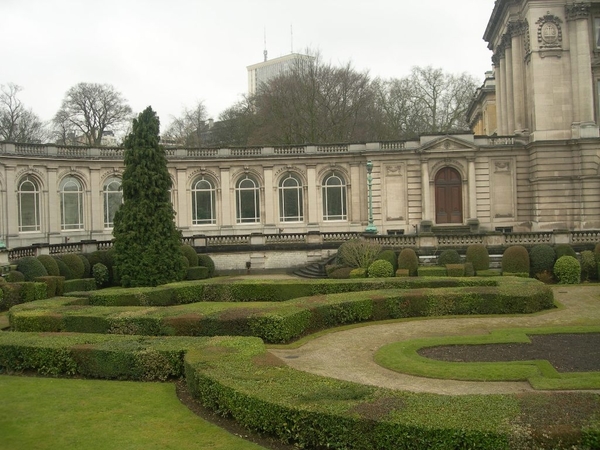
(265, 50)
(292, 36)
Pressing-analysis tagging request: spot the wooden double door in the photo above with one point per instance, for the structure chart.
(448, 196)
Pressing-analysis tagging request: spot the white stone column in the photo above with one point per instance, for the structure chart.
(11, 211)
(510, 94)
(312, 196)
(503, 99)
(518, 82)
(573, 54)
(425, 191)
(355, 209)
(95, 201)
(227, 203)
(269, 196)
(584, 63)
(498, 67)
(181, 203)
(51, 198)
(472, 188)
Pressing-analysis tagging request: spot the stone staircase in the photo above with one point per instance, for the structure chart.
(314, 270)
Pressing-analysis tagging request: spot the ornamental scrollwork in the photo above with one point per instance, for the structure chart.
(549, 33)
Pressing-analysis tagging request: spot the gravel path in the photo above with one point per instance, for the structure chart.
(348, 355)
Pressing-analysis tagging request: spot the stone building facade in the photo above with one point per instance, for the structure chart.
(539, 170)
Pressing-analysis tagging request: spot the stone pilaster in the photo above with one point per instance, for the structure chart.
(227, 200)
(425, 191)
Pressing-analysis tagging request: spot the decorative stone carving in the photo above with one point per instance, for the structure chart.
(502, 166)
(549, 33)
(291, 169)
(204, 172)
(576, 11)
(394, 171)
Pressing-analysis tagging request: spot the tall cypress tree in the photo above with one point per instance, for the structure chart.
(147, 243)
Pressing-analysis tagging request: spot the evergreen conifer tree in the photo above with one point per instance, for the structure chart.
(147, 244)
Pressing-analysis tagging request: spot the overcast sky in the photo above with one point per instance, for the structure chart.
(171, 53)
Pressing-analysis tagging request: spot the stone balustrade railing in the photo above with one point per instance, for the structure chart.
(76, 152)
(427, 243)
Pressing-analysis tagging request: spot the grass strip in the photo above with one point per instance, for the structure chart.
(403, 357)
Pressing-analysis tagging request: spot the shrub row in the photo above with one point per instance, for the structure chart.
(95, 356)
(238, 378)
(226, 290)
(12, 294)
(285, 321)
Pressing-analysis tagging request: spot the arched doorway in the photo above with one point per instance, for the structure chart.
(448, 196)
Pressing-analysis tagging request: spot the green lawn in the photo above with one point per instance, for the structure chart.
(52, 413)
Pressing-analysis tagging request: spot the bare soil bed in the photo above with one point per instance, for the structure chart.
(577, 352)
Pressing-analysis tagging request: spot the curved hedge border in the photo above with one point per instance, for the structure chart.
(237, 377)
(232, 290)
(403, 357)
(281, 322)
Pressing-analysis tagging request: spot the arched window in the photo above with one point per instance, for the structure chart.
(28, 198)
(247, 200)
(71, 204)
(291, 206)
(203, 202)
(113, 197)
(334, 197)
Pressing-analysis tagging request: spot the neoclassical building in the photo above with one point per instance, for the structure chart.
(532, 163)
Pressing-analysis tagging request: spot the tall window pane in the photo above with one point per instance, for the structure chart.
(71, 204)
(28, 199)
(334, 198)
(247, 201)
(113, 197)
(203, 202)
(291, 200)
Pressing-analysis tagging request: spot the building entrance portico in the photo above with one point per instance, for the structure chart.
(448, 196)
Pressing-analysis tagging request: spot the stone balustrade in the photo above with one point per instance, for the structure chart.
(426, 244)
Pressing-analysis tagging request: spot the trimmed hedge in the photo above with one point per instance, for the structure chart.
(197, 273)
(55, 285)
(432, 271)
(455, 270)
(50, 264)
(478, 255)
(82, 284)
(21, 292)
(515, 259)
(380, 269)
(542, 258)
(31, 268)
(282, 322)
(448, 257)
(408, 259)
(206, 261)
(391, 257)
(95, 355)
(75, 265)
(190, 254)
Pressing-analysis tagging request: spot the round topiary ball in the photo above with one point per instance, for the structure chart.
(478, 255)
(567, 270)
(75, 265)
(14, 276)
(50, 264)
(409, 260)
(390, 256)
(515, 260)
(542, 258)
(63, 269)
(206, 261)
(31, 268)
(190, 253)
(448, 257)
(564, 250)
(380, 269)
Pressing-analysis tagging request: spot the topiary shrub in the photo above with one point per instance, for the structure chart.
(75, 265)
(380, 269)
(567, 270)
(455, 270)
(469, 271)
(389, 256)
(50, 264)
(190, 253)
(340, 273)
(100, 272)
(87, 273)
(448, 257)
(542, 258)
(14, 276)
(206, 261)
(63, 269)
(105, 257)
(31, 268)
(432, 271)
(597, 253)
(515, 260)
(564, 250)
(197, 273)
(185, 264)
(478, 255)
(359, 272)
(358, 253)
(588, 266)
(408, 259)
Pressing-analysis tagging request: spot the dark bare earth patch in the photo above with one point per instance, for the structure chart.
(576, 352)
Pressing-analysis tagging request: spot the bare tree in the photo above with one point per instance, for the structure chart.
(88, 110)
(190, 128)
(18, 124)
